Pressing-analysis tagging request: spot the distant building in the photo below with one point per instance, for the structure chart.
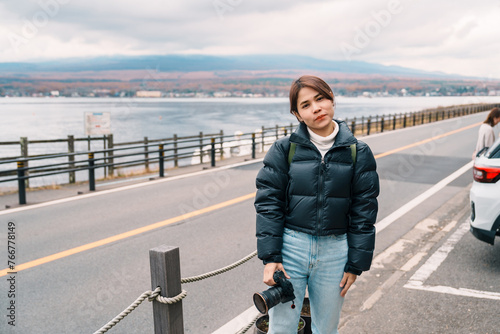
(148, 93)
(54, 93)
(222, 94)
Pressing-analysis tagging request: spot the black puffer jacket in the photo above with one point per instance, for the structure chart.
(334, 196)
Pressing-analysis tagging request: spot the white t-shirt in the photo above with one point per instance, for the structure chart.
(324, 143)
(486, 137)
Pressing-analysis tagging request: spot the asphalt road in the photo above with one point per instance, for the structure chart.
(82, 291)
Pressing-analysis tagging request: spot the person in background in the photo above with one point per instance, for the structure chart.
(316, 209)
(486, 136)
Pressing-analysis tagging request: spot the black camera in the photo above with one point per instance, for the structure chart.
(282, 292)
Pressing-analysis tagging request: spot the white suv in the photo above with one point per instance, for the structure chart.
(485, 195)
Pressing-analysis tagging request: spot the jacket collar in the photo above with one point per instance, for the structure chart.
(343, 138)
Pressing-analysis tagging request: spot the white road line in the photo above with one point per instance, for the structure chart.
(381, 225)
(416, 282)
(137, 185)
(431, 265)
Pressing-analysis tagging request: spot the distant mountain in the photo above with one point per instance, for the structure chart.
(194, 63)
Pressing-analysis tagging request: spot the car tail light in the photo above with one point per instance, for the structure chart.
(486, 174)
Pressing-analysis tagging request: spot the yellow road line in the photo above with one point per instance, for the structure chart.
(125, 235)
(188, 215)
(426, 141)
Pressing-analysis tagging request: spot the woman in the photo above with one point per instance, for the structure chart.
(316, 213)
(486, 136)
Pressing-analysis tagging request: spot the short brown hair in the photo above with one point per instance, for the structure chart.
(494, 113)
(310, 81)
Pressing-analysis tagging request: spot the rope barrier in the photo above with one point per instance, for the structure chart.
(247, 327)
(220, 271)
(155, 295)
(150, 295)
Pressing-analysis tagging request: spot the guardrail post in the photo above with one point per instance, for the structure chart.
(71, 158)
(394, 122)
(353, 126)
(253, 145)
(146, 153)
(176, 160)
(161, 161)
(368, 125)
(404, 121)
(91, 172)
(212, 152)
(382, 124)
(24, 154)
(166, 274)
(221, 144)
(21, 181)
(111, 161)
(263, 139)
(201, 147)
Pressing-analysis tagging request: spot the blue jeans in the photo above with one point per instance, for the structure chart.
(315, 262)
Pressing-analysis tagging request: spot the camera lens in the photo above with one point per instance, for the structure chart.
(267, 299)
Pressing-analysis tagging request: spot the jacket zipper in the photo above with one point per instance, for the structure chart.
(320, 197)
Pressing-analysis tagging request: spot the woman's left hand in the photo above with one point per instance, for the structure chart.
(346, 282)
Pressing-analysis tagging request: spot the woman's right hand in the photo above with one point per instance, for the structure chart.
(269, 270)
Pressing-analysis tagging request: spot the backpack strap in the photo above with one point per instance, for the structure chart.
(353, 153)
(291, 152)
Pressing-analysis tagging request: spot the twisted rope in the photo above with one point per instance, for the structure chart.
(247, 327)
(155, 295)
(220, 271)
(150, 295)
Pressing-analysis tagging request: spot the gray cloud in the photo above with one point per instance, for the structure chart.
(432, 35)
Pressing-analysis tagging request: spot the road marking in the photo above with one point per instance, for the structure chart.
(418, 279)
(132, 186)
(125, 235)
(380, 226)
(396, 150)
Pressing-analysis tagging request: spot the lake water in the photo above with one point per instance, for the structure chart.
(132, 119)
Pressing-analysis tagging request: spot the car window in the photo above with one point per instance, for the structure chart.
(494, 150)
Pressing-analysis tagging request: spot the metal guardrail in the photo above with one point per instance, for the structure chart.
(118, 157)
(197, 148)
(380, 123)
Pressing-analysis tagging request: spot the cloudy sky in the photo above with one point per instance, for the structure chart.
(460, 37)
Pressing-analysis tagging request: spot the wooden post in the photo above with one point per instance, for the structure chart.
(166, 274)
(71, 158)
